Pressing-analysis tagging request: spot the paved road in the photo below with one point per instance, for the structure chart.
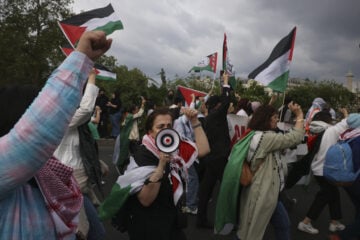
(303, 195)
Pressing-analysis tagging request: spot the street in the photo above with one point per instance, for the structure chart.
(303, 195)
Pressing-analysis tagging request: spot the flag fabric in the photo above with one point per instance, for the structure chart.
(134, 177)
(102, 72)
(274, 72)
(186, 93)
(103, 19)
(67, 49)
(124, 142)
(226, 64)
(237, 127)
(226, 207)
(208, 63)
(125, 186)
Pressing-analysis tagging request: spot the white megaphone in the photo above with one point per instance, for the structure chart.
(167, 140)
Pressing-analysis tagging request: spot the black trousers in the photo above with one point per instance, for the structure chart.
(327, 195)
(209, 175)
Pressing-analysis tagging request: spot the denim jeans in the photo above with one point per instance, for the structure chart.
(115, 124)
(281, 222)
(96, 227)
(192, 188)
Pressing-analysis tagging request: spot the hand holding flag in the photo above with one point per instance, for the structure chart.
(94, 44)
(102, 72)
(227, 66)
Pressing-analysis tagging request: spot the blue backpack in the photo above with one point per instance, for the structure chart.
(338, 166)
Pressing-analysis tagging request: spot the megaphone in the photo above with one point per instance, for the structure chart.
(167, 140)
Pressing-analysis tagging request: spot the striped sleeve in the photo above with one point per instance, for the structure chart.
(31, 142)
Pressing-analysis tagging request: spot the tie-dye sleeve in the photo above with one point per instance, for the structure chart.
(32, 141)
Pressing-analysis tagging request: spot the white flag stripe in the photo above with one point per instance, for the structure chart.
(135, 178)
(275, 69)
(107, 74)
(99, 22)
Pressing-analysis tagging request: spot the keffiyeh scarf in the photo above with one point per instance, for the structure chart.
(181, 160)
(62, 196)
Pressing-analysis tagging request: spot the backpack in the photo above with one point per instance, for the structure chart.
(338, 166)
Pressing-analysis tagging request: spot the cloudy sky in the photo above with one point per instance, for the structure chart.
(177, 34)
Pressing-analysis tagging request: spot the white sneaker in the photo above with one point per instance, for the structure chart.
(189, 210)
(334, 227)
(308, 228)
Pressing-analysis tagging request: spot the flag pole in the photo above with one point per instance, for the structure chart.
(282, 109)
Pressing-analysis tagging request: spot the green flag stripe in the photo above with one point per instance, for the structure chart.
(280, 83)
(198, 69)
(114, 201)
(225, 213)
(110, 27)
(106, 78)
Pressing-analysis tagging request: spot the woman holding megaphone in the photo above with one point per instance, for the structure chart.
(156, 185)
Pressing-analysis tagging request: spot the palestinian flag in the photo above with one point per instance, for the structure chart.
(135, 175)
(186, 93)
(67, 49)
(226, 207)
(274, 72)
(126, 185)
(102, 73)
(227, 66)
(103, 19)
(208, 63)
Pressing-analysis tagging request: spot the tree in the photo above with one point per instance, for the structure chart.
(335, 94)
(30, 39)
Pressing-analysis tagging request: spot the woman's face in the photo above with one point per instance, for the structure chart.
(273, 121)
(160, 122)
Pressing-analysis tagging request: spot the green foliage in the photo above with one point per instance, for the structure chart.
(132, 84)
(333, 93)
(30, 39)
(255, 92)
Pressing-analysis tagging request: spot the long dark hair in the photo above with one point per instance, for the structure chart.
(261, 118)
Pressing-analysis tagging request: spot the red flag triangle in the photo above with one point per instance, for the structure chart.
(72, 33)
(186, 93)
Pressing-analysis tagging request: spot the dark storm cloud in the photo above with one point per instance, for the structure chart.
(175, 35)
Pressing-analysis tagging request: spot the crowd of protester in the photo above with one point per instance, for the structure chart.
(51, 175)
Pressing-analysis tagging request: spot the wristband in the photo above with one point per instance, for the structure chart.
(196, 125)
(299, 120)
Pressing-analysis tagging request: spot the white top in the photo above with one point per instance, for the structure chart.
(330, 137)
(134, 133)
(68, 151)
(241, 112)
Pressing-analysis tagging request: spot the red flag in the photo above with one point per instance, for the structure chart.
(213, 61)
(186, 93)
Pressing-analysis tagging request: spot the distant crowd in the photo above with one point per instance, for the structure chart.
(168, 165)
